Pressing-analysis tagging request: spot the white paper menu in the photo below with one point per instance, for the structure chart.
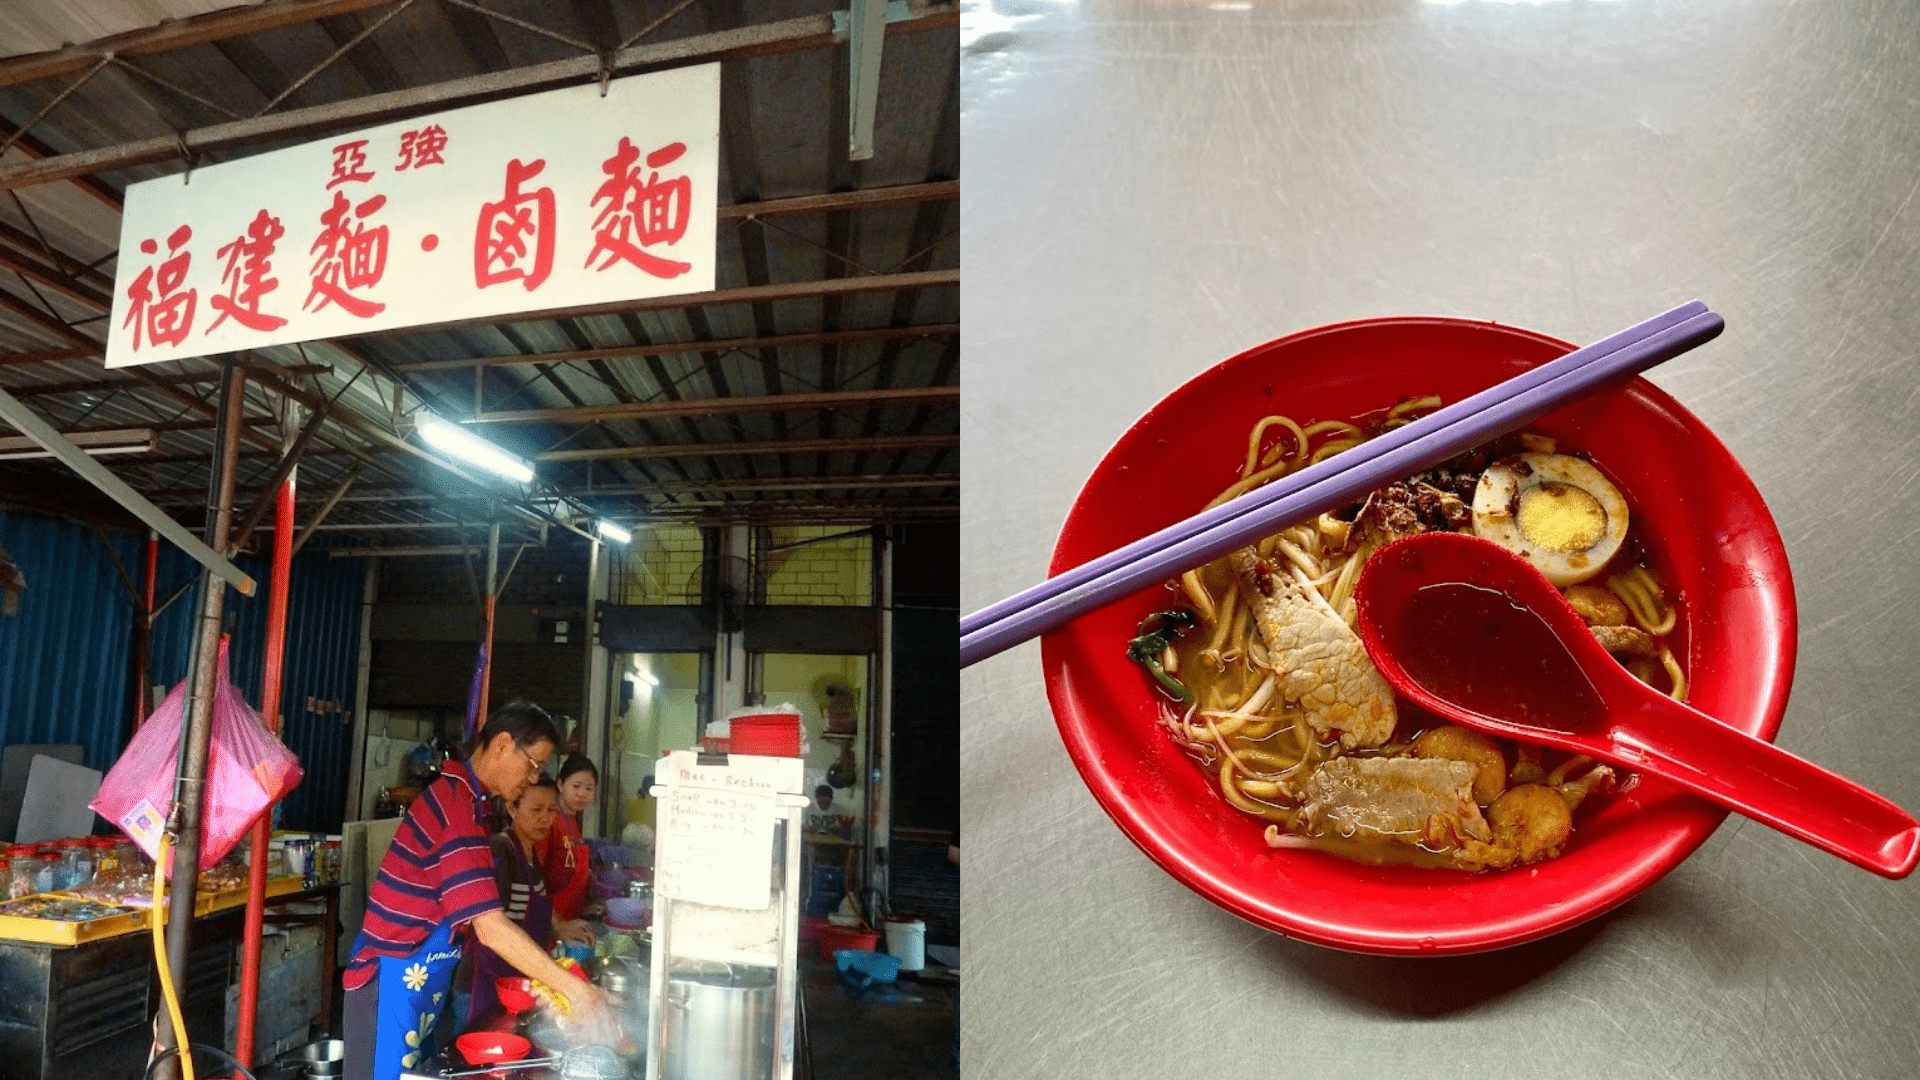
(716, 831)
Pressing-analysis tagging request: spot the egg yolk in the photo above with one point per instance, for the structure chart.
(1561, 516)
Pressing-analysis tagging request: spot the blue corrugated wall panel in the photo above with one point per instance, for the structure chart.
(66, 660)
(322, 668)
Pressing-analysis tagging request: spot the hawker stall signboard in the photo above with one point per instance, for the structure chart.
(555, 200)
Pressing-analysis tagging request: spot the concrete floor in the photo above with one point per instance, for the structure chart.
(900, 1032)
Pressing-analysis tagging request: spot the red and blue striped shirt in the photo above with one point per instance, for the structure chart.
(439, 870)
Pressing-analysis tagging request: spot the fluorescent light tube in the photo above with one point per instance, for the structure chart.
(613, 532)
(97, 443)
(458, 442)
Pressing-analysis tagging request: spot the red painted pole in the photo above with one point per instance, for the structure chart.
(146, 634)
(271, 676)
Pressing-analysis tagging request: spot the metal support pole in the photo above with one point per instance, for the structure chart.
(593, 710)
(357, 806)
(190, 784)
(880, 753)
(733, 680)
(274, 668)
(486, 641)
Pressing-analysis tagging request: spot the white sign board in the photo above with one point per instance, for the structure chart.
(56, 801)
(553, 200)
(716, 830)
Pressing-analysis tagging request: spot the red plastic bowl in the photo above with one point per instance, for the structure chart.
(515, 993)
(491, 1047)
(1713, 544)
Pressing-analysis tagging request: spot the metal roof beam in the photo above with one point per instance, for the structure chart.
(780, 341)
(806, 32)
(48, 356)
(780, 483)
(781, 446)
(101, 386)
(726, 406)
(745, 294)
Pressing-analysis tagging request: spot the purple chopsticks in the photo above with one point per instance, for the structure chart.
(1334, 482)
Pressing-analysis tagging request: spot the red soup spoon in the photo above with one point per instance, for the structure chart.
(1470, 631)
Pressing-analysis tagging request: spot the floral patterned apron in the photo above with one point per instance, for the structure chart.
(413, 994)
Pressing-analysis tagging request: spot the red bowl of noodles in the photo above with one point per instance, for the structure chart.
(1708, 537)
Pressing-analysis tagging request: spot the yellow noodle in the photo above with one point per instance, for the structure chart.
(1333, 448)
(1197, 592)
(1273, 453)
(1232, 761)
(1256, 700)
(1333, 425)
(1298, 558)
(1269, 758)
(1430, 401)
(1249, 483)
(1232, 792)
(1640, 591)
(1222, 625)
(1674, 672)
(1349, 575)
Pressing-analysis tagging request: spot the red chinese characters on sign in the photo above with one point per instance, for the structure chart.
(419, 149)
(500, 239)
(350, 163)
(245, 276)
(347, 256)
(159, 305)
(641, 213)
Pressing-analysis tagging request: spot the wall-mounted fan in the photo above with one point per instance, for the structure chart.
(725, 584)
(839, 707)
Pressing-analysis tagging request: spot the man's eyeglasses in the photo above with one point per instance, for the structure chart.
(534, 767)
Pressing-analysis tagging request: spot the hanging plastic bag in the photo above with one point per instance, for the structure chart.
(247, 771)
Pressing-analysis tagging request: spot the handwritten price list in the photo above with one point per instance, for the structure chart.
(716, 848)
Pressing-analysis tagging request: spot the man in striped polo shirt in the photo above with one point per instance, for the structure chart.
(435, 885)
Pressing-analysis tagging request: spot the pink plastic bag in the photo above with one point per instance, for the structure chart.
(247, 770)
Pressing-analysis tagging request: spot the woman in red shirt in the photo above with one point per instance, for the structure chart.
(563, 855)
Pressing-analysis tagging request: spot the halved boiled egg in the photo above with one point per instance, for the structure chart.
(1557, 512)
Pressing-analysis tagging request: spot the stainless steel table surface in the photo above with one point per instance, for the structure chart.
(1153, 186)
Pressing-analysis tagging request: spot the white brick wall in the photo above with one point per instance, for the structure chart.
(661, 566)
(837, 572)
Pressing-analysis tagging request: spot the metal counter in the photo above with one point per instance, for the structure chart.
(87, 1010)
(1153, 186)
